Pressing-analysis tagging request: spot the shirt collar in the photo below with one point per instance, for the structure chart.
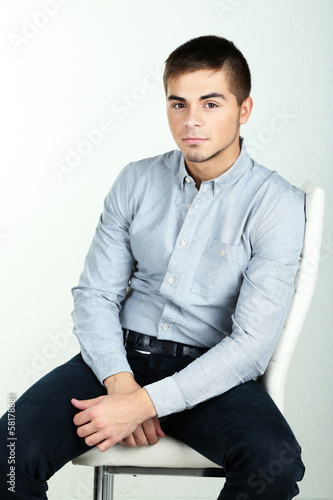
(225, 180)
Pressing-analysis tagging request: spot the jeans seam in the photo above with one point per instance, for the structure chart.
(213, 434)
(223, 442)
(53, 461)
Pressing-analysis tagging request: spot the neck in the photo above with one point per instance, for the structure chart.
(212, 167)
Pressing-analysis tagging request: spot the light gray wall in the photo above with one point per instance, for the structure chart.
(70, 67)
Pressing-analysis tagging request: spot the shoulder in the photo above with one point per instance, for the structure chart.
(139, 179)
(160, 165)
(271, 181)
(279, 203)
(274, 192)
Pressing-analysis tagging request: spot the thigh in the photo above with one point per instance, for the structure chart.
(45, 433)
(240, 426)
(44, 414)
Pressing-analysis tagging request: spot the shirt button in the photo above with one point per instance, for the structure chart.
(222, 252)
(170, 280)
(188, 205)
(218, 190)
(165, 326)
(183, 243)
(188, 180)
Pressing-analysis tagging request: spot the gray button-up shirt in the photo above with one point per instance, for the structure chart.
(212, 268)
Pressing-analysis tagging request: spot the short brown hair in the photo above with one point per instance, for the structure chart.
(211, 52)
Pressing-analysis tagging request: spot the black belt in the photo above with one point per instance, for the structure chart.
(142, 342)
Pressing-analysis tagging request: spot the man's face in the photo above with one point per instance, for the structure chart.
(204, 119)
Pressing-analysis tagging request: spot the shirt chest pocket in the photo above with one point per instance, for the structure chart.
(219, 272)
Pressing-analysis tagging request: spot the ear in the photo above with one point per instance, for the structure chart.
(246, 108)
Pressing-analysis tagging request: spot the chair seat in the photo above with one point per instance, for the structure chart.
(167, 453)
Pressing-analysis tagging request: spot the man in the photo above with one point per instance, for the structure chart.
(182, 299)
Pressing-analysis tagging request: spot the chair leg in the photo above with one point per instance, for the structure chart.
(103, 484)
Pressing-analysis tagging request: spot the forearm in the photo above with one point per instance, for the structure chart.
(220, 369)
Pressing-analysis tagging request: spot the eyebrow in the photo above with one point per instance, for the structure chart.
(202, 98)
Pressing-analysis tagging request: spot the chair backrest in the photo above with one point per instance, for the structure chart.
(274, 378)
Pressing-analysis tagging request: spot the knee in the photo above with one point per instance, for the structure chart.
(276, 467)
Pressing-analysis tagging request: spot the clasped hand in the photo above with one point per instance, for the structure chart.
(126, 415)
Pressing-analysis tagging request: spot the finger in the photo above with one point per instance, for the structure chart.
(95, 439)
(158, 428)
(86, 414)
(150, 431)
(83, 404)
(140, 436)
(78, 404)
(130, 441)
(82, 418)
(106, 444)
(86, 430)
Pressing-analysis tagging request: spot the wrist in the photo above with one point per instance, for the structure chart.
(120, 383)
(144, 404)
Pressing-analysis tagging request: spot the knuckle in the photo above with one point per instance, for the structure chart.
(99, 424)
(93, 414)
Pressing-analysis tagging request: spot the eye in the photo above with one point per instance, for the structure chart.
(178, 105)
(211, 105)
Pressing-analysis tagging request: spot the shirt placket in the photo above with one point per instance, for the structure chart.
(195, 202)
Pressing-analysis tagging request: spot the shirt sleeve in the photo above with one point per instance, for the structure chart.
(262, 306)
(102, 287)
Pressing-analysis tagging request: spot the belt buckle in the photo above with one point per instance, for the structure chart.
(126, 334)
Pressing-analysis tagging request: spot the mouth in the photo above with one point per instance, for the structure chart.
(194, 140)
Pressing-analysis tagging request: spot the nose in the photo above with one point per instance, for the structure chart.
(192, 118)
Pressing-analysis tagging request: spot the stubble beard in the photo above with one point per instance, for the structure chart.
(197, 157)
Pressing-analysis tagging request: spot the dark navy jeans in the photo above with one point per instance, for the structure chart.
(242, 430)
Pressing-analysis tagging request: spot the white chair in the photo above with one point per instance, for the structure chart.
(172, 457)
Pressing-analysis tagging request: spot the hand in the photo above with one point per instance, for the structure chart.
(107, 420)
(146, 433)
(149, 431)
